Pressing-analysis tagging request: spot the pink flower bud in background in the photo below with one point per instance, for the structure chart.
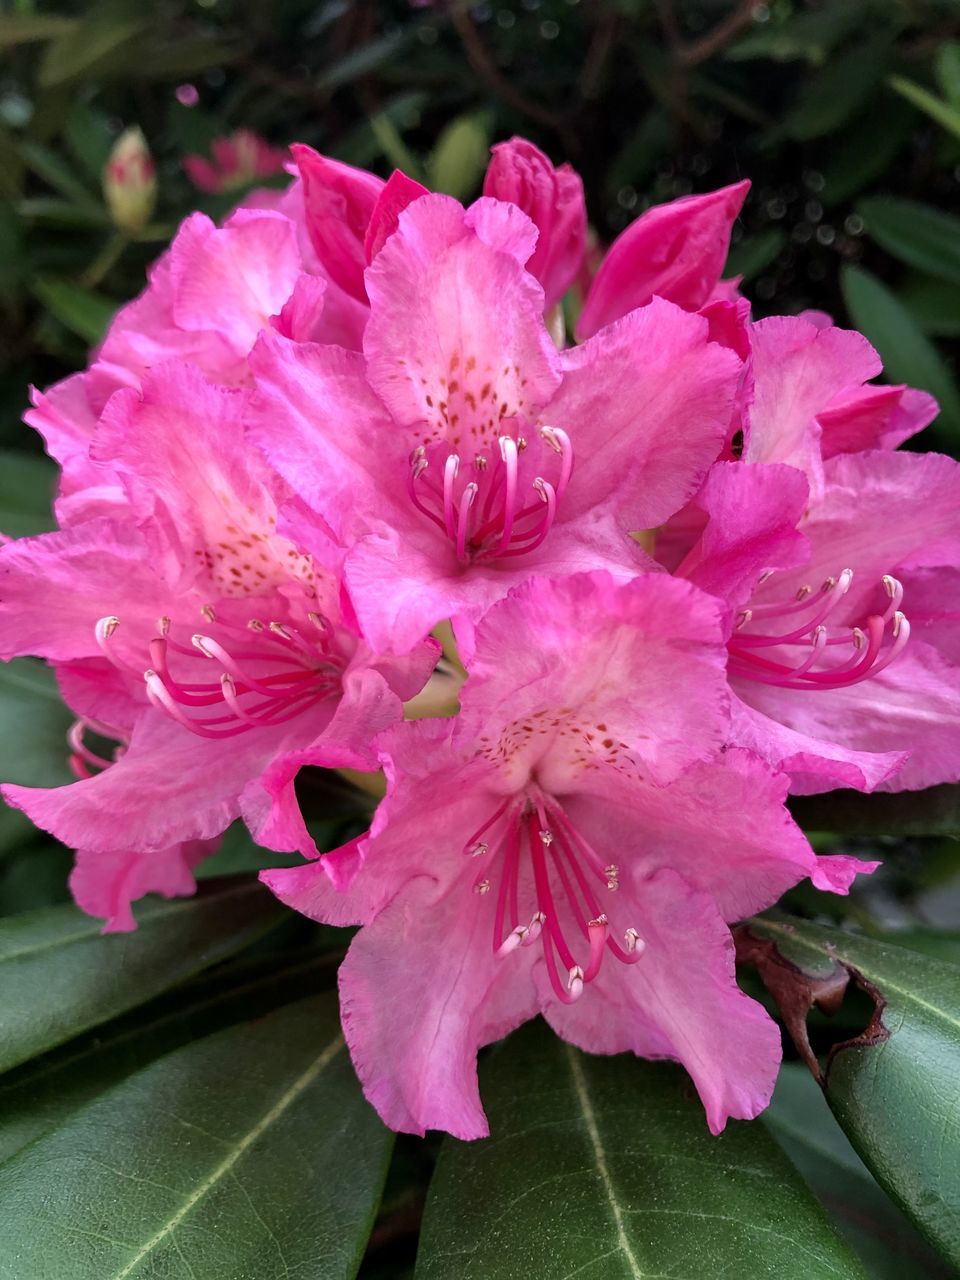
(238, 160)
(130, 181)
(553, 199)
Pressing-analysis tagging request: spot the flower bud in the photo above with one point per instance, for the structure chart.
(130, 181)
(553, 198)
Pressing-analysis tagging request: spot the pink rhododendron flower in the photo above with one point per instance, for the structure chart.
(570, 844)
(674, 251)
(238, 159)
(816, 559)
(193, 632)
(350, 213)
(462, 452)
(553, 199)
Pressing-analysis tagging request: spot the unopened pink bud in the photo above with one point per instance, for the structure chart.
(130, 181)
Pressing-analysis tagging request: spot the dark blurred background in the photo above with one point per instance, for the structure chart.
(845, 113)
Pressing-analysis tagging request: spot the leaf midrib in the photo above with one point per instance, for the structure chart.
(290, 1095)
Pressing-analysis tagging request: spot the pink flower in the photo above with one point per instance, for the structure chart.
(553, 199)
(571, 845)
(818, 560)
(674, 251)
(238, 159)
(462, 452)
(192, 631)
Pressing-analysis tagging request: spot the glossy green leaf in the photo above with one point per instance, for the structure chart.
(925, 238)
(933, 812)
(85, 313)
(26, 487)
(907, 354)
(807, 36)
(250, 1153)
(865, 149)
(35, 754)
(945, 114)
(604, 1168)
(803, 1124)
(59, 174)
(42, 1094)
(59, 975)
(460, 157)
(896, 1088)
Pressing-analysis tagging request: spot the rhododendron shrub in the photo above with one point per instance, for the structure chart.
(685, 569)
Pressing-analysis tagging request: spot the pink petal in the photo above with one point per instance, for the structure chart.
(674, 251)
(339, 202)
(105, 884)
(384, 220)
(681, 1001)
(553, 199)
(456, 340)
(646, 461)
(874, 417)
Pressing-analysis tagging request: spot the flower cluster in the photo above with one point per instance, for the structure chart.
(685, 568)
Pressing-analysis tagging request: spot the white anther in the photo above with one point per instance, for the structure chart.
(482, 887)
(575, 982)
(632, 942)
(105, 629)
(859, 639)
(279, 629)
(319, 621)
(255, 625)
(828, 584)
(804, 591)
(201, 642)
(540, 485)
(743, 617)
(546, 838)
(512, 940)
(208, 613)
(479, 849)
(163, 626)
(480, 462)
(765, 576)
(416, 454)
(600, 922)
(550, 436)
(890, 585)
(899, 622)
(535, 928)
(419, 467)
(846, 577)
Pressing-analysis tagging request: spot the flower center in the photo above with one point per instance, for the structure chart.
(267, 673)
(805, 621)
(484, 506)
(568, 879)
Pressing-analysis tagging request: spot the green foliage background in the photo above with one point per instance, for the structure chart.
(178, 1103)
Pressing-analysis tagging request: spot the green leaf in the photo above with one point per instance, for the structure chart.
(907, 354)
(84, 312)
(57, 173)
(946, 64)
(36, 754)
(896, 1088)
(42, 1094)
(364, 59)
(91, 44)
(26, 28)
(250, 1153)
(604, 1167)
(935, 305)
(801, 1121)
(186, 57)
(460, 156)
(60, 975)
(865, 149)
(921, 237)
(749, 257)
(807, 36)
(26, 489)
(946, 115)
(829, 98)
(934, 812)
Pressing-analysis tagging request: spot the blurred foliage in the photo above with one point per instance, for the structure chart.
(846, 114)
